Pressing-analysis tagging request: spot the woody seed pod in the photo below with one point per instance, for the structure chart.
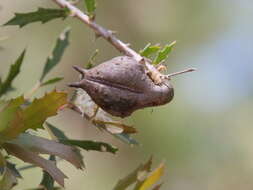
(122, 85)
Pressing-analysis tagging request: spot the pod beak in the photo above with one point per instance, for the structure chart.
(75, 84)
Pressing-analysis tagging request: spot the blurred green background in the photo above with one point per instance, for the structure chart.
(205, 134)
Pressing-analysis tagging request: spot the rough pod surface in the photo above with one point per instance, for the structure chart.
(121, 85)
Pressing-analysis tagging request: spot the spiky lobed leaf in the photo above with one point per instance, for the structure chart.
(42, 14)
(32, 116)
(40, 109)
(52, 61)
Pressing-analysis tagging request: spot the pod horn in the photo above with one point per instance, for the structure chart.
(80, 70)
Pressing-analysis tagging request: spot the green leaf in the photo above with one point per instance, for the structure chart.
(52, 61)
(13, 72)
(91, 7)
(32, 116)
(163, 54)
(57, 134)
(149, 50)
(52, 81)
(90, 145)
(42, 14)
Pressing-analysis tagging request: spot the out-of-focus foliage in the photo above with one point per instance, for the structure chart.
(90, 7)
(161, 54)
(149, 49)
(205, 134)
(143, 178)
(5, 85)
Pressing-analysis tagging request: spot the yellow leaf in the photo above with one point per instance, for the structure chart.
(153, 178)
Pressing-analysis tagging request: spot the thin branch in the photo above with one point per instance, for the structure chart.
(100, 31)
(118, 44)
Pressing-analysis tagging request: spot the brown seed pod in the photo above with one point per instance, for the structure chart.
(122, 85)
